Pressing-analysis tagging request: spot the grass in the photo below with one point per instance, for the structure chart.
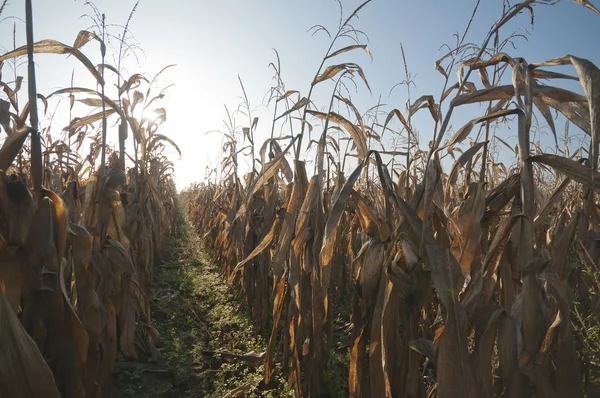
(195, 311)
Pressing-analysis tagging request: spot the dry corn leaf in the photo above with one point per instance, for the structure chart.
(267, 173)
(377, 378)
(160, 138)
(83, 37)
(358, 136)
(455, 375)
(55, 47)
(552, 201)
(367, 219)
(11, 147)
(570, 168)
(464, 131)
(425, 101)
(587, 4)
(298, 105)
(23, 370)
(11, 276)
(461, 162)
(358, 382)
(79, 90)
(331, 71)
(288, 94)
(568, 374)
(398, 114)
(280, 293)
(350, 48)
(262, 246)
(133, 82)
(470, 219)
(485, 336)
(5, 116)
(289, 222)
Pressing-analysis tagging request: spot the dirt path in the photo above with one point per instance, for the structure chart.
(198, 319)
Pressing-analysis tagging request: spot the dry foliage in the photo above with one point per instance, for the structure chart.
(78, 238)
(462, 279)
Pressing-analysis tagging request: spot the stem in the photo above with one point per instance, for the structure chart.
(250, 125)
(36, 142)
(17, 94)
(409, 114)
(103, 156)
(123, 124)
(100, 225)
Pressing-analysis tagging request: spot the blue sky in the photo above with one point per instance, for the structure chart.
(211, 42)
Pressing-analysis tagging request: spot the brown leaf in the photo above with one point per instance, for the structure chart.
(78, 122)
(5, 116)
(470, 219)
(79, 90)
(425, 101)
(507, 92)
(485, 334)
(552, 201)
(55, 47)
(11, 276)
(133, 82)
(368, 221)
(118, 256)
(280, 293)
(262, 246)
(569, 168)
(156, 138)
(587, 4)
(289, 222)
(464, 131)
(535, 315)
(568, 373)
(545, 111)
(398, 114)
(11, 147)
(288, 94)
(298, 105)
(83, 37)
(357, 380)
(370, 259)
(331, 71)
(455, 376)
(377, 379)
(356, 133)
(507, 348)
(23, 370)
(350, 48)
(461, 162)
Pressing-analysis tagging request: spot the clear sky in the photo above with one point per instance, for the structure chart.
(211, 42)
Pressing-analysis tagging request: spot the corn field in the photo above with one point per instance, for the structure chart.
(80, 229)
(461, 267)
(461, 276)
